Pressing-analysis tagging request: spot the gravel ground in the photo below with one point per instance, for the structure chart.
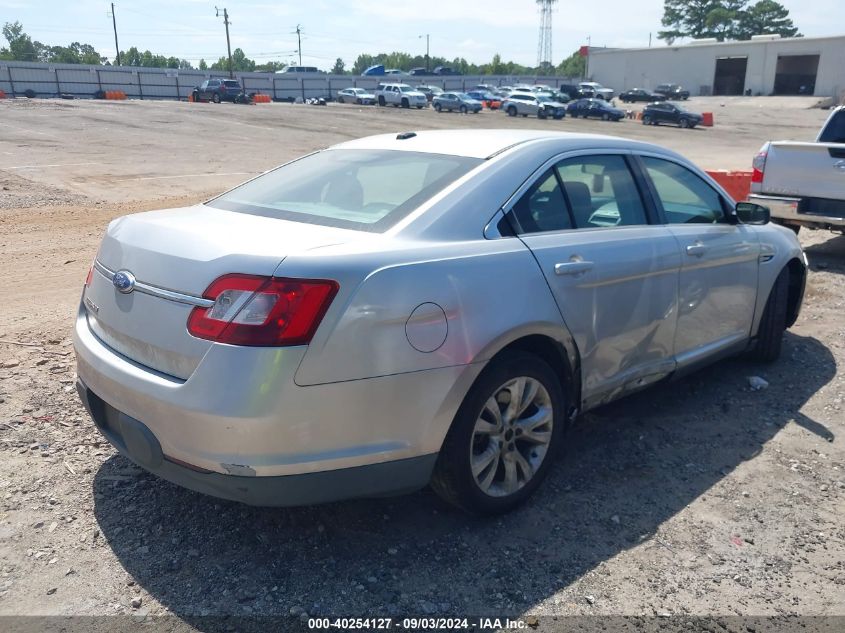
(697, 498)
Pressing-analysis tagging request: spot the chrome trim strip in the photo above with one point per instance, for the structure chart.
(155, 291)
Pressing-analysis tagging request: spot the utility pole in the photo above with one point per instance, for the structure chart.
(228, 45)
(299, 42)
(427, 58)
(114, 23)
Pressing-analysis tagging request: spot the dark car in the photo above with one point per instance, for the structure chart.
(570, 90)
(429, 91)
(420, 72)
(672, 91)
(638, 94)
(596, 109)
(665, 112)
(218, 90)
(445, 70)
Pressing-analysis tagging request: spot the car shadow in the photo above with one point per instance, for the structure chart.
(827, 256)
(631, 466)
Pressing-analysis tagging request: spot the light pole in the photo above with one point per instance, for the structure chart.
(427, 41)
(228, 45)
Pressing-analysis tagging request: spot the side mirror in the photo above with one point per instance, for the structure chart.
(750, 213)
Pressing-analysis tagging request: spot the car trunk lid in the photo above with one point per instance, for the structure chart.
(174, 255)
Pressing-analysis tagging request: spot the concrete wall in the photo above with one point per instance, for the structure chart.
(694, 65)
(51, 80)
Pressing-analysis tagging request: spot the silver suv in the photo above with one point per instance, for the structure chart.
(530, 104)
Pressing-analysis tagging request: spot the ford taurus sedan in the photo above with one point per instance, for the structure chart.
(432, 307)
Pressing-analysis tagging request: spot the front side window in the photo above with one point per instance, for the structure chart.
(601, 192)
(686, 198)
(368, 190)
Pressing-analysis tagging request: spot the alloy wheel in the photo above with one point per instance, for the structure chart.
(511, 437)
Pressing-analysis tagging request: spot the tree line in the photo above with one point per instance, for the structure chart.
(697, 19)
(725, 19)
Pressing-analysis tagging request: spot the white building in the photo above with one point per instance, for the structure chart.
(764, 65)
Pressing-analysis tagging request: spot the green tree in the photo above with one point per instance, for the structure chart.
(339, 67)
(203, 65)
(686, 18)
(573, 66)
(240, 62)
(766, 16)
(270, 67)
(21, 46)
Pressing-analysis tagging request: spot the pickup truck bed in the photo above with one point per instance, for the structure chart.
(803, 184)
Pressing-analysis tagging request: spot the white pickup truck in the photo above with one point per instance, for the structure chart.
(400, 95)
(803, 184)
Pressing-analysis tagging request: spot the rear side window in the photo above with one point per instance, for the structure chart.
(542, 208)
(834, 131)
(686, 198)
(367, 190)
(601, 192)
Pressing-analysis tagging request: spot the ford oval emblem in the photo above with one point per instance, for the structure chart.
(124, 281)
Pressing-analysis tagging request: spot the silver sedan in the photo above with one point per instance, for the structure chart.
(433, 307)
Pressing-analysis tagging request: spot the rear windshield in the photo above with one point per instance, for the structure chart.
(366, 190)
(834, 131)
(231, 83)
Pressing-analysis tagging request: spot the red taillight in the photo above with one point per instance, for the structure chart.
(90, 274)
(262, 311)
(759, 165)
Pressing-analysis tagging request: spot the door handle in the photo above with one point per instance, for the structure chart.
(696, 250)
(573, 268)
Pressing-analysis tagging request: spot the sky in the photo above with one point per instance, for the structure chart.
(473, 29)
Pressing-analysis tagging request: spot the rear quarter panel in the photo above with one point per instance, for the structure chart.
(491, 292)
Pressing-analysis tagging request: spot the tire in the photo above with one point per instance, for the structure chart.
(646, 120)
(462, 109)
(524, 462)
(215, 98)
(684, 124)
(605, 117)
(541, 114)
(512, 111)
(340, 100)
(381, 100)
(524, 116)
(195, 96)
(406, 103)
(773, 323)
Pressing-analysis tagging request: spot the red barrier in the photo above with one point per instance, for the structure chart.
(707, 119)
(736, 183)
(2, 95)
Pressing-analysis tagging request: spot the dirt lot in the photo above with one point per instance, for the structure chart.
(702, 497)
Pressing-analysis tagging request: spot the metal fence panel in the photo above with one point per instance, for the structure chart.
(51, 80)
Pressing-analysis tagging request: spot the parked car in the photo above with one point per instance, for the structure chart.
(804, 183)
(638, 94)
(228, 347)
(419, 72)
(450, 101)
(667, 112)
(218, 90)
(672, 92)
(355, 95)
(400, 95)
(375, 70)
(570, 90)
(529, 104)
(487, 99)
(595, 109)
(430, 91)
(446, 70)
(591, 89)
(395, 71)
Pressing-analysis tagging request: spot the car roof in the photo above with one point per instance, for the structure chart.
(487, 143)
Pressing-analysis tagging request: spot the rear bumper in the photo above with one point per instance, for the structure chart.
(240, 413)
(787, 210)
(134, 440)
